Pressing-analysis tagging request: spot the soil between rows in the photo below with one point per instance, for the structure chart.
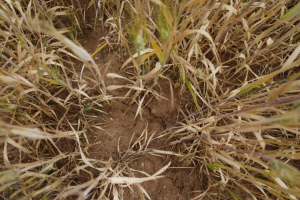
(120, 127)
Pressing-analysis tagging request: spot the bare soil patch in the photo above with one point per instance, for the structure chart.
(120, 127)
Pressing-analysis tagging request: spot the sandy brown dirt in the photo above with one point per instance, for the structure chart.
(157, 116)
(119, 126)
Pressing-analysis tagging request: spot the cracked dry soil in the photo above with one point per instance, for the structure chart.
(178, 183)
(119, 126)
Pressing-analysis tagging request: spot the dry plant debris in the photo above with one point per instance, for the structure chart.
(234, 64)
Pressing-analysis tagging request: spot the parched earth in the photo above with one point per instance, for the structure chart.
(120, 126)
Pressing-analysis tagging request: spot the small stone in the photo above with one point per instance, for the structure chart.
(153, 111)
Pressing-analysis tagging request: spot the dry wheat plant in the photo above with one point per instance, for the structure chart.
(239, 60)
